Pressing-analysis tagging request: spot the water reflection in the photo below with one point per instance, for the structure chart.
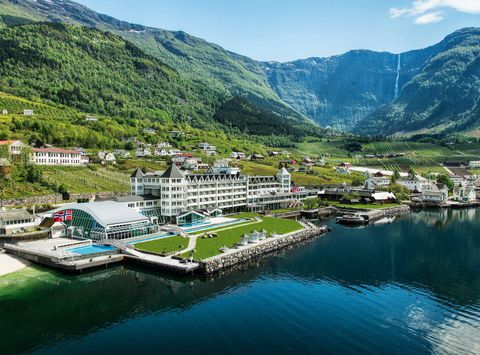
(417, 276)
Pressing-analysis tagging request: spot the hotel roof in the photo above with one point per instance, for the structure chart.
(55, 150)
(106, 213)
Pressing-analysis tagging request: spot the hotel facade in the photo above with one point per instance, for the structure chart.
(221, 188)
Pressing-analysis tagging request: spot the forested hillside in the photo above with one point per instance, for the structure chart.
(443, 97)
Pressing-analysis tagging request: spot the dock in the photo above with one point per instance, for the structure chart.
(364, 217)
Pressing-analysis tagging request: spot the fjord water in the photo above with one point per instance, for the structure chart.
(412, 286)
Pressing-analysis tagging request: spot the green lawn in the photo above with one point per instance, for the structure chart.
(164, 245)
(282, 210)
(213, 229)
(209, 247)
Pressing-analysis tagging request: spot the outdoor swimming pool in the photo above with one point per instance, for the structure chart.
(92, 249)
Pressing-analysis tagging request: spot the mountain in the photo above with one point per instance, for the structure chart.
(443, 96)
(430, 90)
(225, 73)
(97, 72)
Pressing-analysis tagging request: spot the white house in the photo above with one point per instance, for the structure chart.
(474, 164)
(457, 179)
(160, 152)
(14, 146)
(464, 193)
(28, 112)
(91, 119)
(4, 112)
(413, 183)
(164, 145)
(107, 157)
(374, 182)
(432, 193)
(143, 152)
(57, 156)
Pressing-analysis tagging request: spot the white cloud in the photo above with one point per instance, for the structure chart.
(431, 17)
(426, 11)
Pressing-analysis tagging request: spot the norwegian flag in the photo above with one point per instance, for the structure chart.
(62, 216)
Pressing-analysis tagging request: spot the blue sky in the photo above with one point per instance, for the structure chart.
(285, 30)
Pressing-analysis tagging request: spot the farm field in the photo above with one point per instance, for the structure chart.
(85, 180)
(423, 157)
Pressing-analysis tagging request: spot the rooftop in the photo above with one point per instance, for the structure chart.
(106, 212)
(14, 215)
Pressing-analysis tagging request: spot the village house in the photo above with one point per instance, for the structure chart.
(176, 134)
(413, 183)
(457, 179)
(160, 152)
(464, 193)
(173, 152)
(14, 221)
(14, 147)
(4, 112)
(57, 157)
(164, 145)
(320, 162)
(474, 164)
(107, 157)
(273, 153)
(28, 112)
(238, 155)
(91, 119)
(143, 152)
(343, 168)
(377, 182)
(222, 166)
(432, 193)
(122, 153)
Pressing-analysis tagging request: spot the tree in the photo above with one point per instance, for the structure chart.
(411, 171)
(357, 181)
(445, 179)
(395, 176)
(400, 192)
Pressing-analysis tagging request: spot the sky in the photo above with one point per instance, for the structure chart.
(284, 30)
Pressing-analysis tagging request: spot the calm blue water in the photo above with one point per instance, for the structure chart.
(91, 249)
(410, 287)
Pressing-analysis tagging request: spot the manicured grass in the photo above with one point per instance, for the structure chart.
(164, 245)
(209, 247)
(213, 229)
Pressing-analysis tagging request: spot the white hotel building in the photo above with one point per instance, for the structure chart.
(221, 188)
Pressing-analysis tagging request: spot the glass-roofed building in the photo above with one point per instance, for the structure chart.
(103, 220)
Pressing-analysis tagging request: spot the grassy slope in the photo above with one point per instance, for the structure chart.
(164, 245)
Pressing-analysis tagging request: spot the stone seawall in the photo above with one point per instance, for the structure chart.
(244, 255)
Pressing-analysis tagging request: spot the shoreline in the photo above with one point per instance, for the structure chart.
(10, 264)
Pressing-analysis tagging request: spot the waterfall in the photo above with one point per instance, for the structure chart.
(398, 77)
